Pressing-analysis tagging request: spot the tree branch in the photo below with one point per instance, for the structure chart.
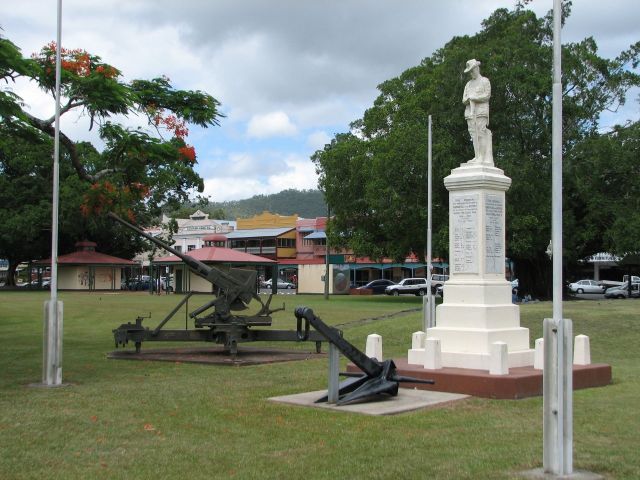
(63, 110)
(48, 129)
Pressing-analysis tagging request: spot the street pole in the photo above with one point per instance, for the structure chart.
(557, 382)
(53, 312)
(326, 259)
(430, 317)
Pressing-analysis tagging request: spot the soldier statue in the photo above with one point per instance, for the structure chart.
(476, 96)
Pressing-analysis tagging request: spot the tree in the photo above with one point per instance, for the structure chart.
(25, 196)
(153, 167)
(139, 170)
(604, 191)
(384, 156)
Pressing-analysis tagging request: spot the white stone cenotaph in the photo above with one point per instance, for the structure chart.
(477, 310)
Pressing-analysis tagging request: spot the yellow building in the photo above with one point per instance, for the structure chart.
(267, 235)
(266, 220)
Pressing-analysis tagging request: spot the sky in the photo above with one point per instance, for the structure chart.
(290, 74)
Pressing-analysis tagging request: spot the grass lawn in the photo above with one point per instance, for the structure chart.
(124, 419)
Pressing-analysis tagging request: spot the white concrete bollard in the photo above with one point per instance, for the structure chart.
(432, 354)
(415, 356)
(417, 339)
(538, 358)
(581, 350)
(374, 347)
(499, 359)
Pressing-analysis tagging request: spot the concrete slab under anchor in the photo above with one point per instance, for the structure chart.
(407, 400)
(539, 474)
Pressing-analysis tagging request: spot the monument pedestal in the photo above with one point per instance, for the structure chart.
(477, 310)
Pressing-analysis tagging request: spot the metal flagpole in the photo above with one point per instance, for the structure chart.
(430, 315)
(326, 259)
(557, 383)
(52, 341)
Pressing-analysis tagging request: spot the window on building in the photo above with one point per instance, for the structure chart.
(237, 244)
(286, 242)
(191, 247)
(178, 248)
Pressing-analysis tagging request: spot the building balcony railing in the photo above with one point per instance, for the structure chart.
(258, 250)
(319, 249)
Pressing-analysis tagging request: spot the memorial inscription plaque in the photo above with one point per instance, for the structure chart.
(464, 212)
(493, 233)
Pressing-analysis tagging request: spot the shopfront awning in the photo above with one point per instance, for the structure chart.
(385, 266)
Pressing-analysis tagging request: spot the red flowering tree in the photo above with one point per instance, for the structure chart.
(140, 169)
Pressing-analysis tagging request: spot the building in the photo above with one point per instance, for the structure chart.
(185, 280)
(87, 269)
(4, 268)
(267, 235)
(190, 235)
(311, 239)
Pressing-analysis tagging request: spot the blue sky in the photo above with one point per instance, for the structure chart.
(290, 73)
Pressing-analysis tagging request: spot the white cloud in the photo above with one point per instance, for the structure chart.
(319, 62)
(228, 184)
(300, 174)
(318, 139)
(274, 124)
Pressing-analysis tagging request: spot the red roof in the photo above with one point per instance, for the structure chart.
(217, 255)
(87, 258)
(215, 237)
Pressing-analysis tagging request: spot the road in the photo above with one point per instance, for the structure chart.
(281, 291)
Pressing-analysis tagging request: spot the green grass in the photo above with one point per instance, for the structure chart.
(124, 419)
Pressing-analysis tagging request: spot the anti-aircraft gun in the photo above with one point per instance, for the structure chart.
(235, 290)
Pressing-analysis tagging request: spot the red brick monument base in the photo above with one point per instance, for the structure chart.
(521, 382)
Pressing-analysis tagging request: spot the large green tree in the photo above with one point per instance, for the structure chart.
(138, 171)
(603, 197)
(25, 198)
(374, 177)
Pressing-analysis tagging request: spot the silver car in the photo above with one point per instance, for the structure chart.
(623, 291)
(586, 286)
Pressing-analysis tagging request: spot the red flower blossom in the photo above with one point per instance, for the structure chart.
(188, 153)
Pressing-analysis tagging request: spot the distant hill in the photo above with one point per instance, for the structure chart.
(306, 203)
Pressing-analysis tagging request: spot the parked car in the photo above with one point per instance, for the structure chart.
(437, 281)
(622, 291)
(377, 286)
(140, 285)
(281, 284)
(416, 286)
(586, 286)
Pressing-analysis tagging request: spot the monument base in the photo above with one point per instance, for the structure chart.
(480, 361)
(477, 317)
(520, 382)
(519, 358)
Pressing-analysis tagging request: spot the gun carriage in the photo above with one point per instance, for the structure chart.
(215, 321)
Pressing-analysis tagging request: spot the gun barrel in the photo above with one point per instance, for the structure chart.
(236, 285)
(199, 267)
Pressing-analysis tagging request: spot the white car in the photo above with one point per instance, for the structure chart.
(416, 286)
(586, 286)
(281, 284)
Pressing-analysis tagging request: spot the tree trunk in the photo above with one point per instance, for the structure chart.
(534, 277)
(11, 273)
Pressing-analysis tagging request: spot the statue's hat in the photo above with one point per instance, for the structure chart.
(471, 64)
